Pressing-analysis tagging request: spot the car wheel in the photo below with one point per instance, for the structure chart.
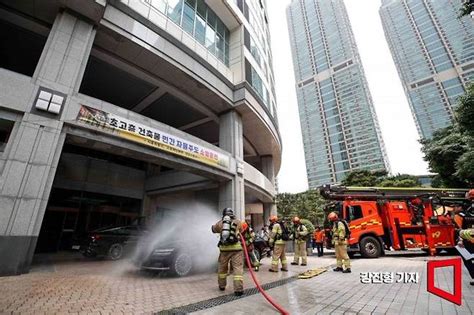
(182, 264)
(115, 251)
(370, 247)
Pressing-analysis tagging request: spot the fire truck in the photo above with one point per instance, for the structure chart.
(383, 219)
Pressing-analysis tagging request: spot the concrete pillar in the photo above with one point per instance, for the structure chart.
(268, 170)
(64, 58)
(32, 154)
(232, 192)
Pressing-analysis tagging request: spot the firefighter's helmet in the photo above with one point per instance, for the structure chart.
(273, 218)
(228, 211)
(333, 216)
(470, 194)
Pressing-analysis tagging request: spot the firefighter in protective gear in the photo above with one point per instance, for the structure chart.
(230, 248)
(339, 240)
(249, 236)
(467, 242)
(278, 245)
(299, 235)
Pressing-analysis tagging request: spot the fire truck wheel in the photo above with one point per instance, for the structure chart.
(370, 247)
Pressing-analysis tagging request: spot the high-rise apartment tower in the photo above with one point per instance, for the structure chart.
(338, 120)
(433, 50)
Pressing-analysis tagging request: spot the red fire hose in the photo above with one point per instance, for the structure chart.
(265, 295)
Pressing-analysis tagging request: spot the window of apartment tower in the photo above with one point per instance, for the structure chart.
(6, 127)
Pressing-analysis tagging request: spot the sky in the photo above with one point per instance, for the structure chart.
(393, 112)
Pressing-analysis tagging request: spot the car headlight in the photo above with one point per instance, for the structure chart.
(162, 252)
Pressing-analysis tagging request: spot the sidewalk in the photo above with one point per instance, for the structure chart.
(106, 287)
(337, 293)
(81, 286)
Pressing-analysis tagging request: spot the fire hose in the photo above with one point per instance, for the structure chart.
(259, 287)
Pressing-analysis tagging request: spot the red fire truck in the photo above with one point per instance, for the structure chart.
(397, 218)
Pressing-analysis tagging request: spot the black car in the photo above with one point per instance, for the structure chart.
(113, 242)
(170, 257)
(181, 258)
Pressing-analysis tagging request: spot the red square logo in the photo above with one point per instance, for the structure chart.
(455, 297)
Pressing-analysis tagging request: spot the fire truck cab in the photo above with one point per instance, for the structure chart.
(388, 220)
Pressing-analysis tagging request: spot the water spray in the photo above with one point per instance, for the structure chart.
(259, 287)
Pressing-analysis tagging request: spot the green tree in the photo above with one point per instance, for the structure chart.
(442, 152)
(467, 8)
(363, 178)
(465, 120)
(306, 205)
(450, 151)
(465, 111)
(399, 180)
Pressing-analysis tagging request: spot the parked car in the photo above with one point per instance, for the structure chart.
(112, 242)
(170, 257)
(181, 258)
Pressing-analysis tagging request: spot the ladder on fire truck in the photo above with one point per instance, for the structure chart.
(338, 192)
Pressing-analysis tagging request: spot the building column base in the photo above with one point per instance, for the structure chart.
(17, 254)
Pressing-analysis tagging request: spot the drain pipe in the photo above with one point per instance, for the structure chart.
(259, 287)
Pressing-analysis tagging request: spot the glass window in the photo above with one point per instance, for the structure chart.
(220, 28)
(220, 47)
(211, 19)
(210, 39)
(6, 127)
(226, 53)
(200, 30)
(188, 16)
(175, 7)
(201, 8)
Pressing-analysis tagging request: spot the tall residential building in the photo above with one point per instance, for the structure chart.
(114, 110)
(338, 121)
(434, 53)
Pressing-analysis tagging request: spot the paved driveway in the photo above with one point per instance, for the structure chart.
(78, 286)
(106, 287)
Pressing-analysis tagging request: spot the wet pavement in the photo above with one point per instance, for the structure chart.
(337, 293)
(78, 286)
(74, 285)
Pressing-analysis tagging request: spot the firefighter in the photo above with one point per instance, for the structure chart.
(339, 241)
(249, 236)
(278, 243)
(230, 248)
(467, 241)
(318, 238)
(299, 235)
(467, 237)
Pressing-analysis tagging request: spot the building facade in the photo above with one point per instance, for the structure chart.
(114, 110)
(433, 51)
(338, 120)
